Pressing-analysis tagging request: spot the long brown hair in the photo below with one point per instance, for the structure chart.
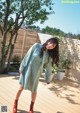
(53, 53)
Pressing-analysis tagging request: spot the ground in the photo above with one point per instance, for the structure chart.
(57, 97)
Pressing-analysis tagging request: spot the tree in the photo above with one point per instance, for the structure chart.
(13, 13)
(78, 36)
(53, 31)
(36, 28)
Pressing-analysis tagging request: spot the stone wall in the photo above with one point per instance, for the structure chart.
(71, 48)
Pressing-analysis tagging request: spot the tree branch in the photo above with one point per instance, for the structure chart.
(6, 15)
(1, 29)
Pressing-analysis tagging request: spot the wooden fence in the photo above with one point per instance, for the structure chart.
(25, 39)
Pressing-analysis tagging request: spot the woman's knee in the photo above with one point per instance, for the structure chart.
(34, 93)
(20, 88)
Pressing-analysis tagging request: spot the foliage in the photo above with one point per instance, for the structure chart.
(36, 28)
(74, 36)
(15, 63)
(53, 31)
(13, 69)
(16, 59)
(54, 69)
(64, 63)
(13, 13)
(78, 36)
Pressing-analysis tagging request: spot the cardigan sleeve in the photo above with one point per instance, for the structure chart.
(27, 57)
(48, 71)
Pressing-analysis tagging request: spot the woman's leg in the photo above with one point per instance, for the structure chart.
(19, 92)
(33, 98)
(16, 99)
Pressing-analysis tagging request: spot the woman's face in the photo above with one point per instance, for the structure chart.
(50, 45)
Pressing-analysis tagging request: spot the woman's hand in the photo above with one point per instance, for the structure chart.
(20, 71)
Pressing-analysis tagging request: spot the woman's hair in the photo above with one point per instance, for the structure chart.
(53, 53)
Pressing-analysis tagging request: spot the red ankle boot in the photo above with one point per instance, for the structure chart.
(31, 107)
(15, 106)
(31, 112)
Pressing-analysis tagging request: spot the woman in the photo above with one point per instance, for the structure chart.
(32, 67)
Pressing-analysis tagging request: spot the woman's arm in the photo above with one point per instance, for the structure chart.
(48, 72)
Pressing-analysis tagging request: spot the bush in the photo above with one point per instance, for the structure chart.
(15, 63)
(16, 59)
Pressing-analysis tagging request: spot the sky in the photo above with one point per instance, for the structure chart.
(66, 17)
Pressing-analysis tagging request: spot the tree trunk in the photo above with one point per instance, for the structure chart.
(11, 52)
(2, 65)
(9, 58)
(3, 53)
(4, 36)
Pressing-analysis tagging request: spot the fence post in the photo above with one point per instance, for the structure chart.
(23, 44)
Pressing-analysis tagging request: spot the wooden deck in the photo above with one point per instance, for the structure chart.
(58, 97)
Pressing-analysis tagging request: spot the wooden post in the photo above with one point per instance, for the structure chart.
(23, 44)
